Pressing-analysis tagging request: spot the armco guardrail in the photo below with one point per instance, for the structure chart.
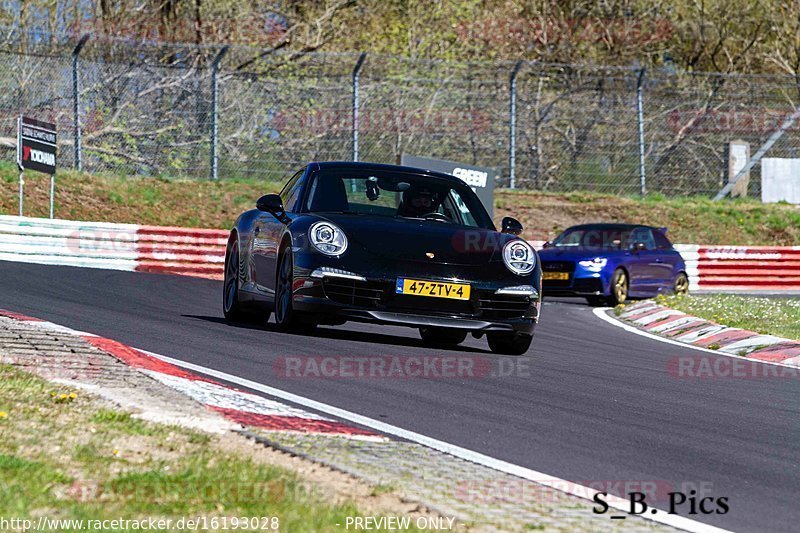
(187, 251)
(201, 252)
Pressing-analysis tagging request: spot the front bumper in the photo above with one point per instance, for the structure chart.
(375, 300)
(581, 281)
(590, 286)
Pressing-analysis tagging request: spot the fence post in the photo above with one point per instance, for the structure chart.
(776, 135)
(76, 124)
(640, 120)
(19, 161)
(512, 125)
(214, 110)
(356, 72)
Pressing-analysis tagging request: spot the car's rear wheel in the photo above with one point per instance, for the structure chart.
(619, 288)
(232, 308)
(438, 336)
(509, 344)
(286, 318)
(681, 285)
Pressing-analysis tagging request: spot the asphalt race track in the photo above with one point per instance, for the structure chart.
(598, 404)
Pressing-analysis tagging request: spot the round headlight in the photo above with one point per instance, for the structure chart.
(519, 257)
(327, 238)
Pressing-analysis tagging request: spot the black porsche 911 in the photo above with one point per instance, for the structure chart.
(383, 244)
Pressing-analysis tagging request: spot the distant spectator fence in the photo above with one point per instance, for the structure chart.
(198, 112)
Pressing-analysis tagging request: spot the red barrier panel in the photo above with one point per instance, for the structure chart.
(184, 251)
(748, 268)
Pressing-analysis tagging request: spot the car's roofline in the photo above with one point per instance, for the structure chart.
(319, 165)
(612, 225)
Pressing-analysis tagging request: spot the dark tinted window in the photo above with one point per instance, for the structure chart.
(291, 191)
(662, 243)
(395, 194)
(594, 238)
(644, 235)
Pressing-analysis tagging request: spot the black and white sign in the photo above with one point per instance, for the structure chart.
(36, 149)
(481, 179)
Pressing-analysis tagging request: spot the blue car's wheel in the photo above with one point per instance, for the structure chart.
(681, 285)
(619, 288)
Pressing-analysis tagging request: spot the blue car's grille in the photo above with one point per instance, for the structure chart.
(558, 266)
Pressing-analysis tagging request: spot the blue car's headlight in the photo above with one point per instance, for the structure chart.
(327, 238)
(594, 265)
(519, 257)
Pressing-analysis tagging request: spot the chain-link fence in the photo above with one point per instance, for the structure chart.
(205, 112)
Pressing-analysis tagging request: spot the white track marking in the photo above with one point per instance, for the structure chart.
(703, 333)
(752, 342)
(657, 317)
(56, 328)
(600, 312)
(555, 483)
(215, 395)
(675, 324)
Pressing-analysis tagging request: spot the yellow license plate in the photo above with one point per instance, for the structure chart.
(437, 289)
(555, 275)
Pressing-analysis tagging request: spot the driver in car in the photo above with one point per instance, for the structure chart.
(418, 202)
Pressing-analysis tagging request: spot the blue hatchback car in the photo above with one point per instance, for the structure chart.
(609, 263)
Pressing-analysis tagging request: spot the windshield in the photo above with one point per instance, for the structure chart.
(599, 238)
(396, 194)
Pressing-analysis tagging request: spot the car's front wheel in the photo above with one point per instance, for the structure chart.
(509, 344)
(232, 308)
(681, 285)
(437, 336)
(619, 288)
(286, 318)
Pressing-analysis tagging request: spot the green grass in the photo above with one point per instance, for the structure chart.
(202, 203)
(77, 460)
(123, 422)
(383, 489)
(774, 316)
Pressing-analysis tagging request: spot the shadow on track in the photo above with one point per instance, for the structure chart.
(345, 335)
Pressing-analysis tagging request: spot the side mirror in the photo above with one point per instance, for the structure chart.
(638, 247)
(547, 244)
(512, 226)
(271, 203)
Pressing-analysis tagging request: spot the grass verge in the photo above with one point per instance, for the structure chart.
(200, 203)
(64, 456)
(773, 316)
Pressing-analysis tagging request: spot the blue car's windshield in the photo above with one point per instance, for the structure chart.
(598, 238)
(395, 194)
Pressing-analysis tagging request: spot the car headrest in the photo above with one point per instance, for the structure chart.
(330, 195)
